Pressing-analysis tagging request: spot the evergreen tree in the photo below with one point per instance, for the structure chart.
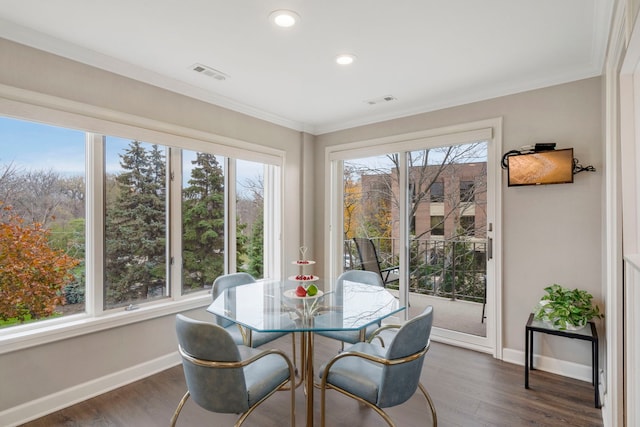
(203, 223)
(135, 227)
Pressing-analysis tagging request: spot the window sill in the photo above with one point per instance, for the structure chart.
(21, 337)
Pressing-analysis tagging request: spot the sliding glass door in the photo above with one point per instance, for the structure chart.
(425, 211)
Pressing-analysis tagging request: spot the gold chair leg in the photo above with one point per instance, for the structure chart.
(431, 405)
(293, 347)
(322, 401)
(179, 408)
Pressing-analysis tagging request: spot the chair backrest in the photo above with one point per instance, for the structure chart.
(225, 282)
(399, 382)
(360, 276)
(215, 389)
(368, 255)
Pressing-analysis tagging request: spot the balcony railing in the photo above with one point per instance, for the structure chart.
(451, 268)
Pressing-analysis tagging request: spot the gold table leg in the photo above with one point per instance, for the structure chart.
(308, 383)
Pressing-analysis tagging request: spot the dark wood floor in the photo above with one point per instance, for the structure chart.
(468, 388)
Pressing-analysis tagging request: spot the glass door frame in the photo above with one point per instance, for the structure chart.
(489, 130)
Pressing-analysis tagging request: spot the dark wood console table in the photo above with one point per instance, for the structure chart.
(589, 333)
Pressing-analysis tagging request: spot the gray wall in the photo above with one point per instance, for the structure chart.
(551, 234)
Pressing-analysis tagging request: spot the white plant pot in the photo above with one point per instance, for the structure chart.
(549, 322)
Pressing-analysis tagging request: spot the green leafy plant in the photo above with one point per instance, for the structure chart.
(564, 308)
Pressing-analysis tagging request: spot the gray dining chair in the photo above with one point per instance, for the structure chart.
(351, 337)
(224, 377)
(382, 377)
(239, 334)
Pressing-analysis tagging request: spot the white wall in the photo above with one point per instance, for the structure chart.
(551, 234)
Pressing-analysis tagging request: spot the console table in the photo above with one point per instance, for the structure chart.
(589, 333)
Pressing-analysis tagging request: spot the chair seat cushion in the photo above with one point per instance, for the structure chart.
(263, 375)
(350, 337)
(261, 338)
(356, 375)
(258, 338)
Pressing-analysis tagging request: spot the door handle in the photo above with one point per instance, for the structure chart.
(490, 249)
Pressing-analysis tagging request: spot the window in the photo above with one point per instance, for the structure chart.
(42, 221)
(148, 204)
(437, 225)
(468, 225)
(203, 219)
(135, 222)
(250, 218)
(467, 191)
(437, 192)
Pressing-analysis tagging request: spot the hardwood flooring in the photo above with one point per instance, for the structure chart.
(469, 389)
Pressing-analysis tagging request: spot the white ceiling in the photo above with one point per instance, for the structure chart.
(428, 54)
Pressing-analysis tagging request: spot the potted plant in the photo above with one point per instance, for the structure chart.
(565, 309)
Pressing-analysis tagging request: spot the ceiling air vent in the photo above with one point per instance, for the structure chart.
(382, 99)
(209, 72)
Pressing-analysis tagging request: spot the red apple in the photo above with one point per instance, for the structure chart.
(301, 291)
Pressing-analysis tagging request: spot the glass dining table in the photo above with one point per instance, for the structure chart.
(273, 306)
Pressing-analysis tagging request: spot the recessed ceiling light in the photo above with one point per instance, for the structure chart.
(284, 18)
(345, 58)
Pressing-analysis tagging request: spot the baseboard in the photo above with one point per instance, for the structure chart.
(54, 402)
(549, 364)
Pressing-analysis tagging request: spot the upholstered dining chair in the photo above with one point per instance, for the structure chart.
(382, 377)
(224, 377)
(239, 334)
(351, 337)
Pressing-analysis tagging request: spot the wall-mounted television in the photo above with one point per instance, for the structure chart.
(539, 168)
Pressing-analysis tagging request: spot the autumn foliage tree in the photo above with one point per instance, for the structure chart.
(352, 203)
(32, 273)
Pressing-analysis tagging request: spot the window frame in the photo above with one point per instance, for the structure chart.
(95, 122)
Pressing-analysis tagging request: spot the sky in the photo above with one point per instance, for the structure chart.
(33, 146)
(465, 153)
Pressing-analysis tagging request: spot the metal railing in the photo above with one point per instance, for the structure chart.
(449, 268)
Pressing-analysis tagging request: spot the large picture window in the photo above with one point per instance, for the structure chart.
(148, 204)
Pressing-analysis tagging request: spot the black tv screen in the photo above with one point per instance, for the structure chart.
(543, 167)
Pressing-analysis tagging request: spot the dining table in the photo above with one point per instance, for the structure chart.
(273, 306)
